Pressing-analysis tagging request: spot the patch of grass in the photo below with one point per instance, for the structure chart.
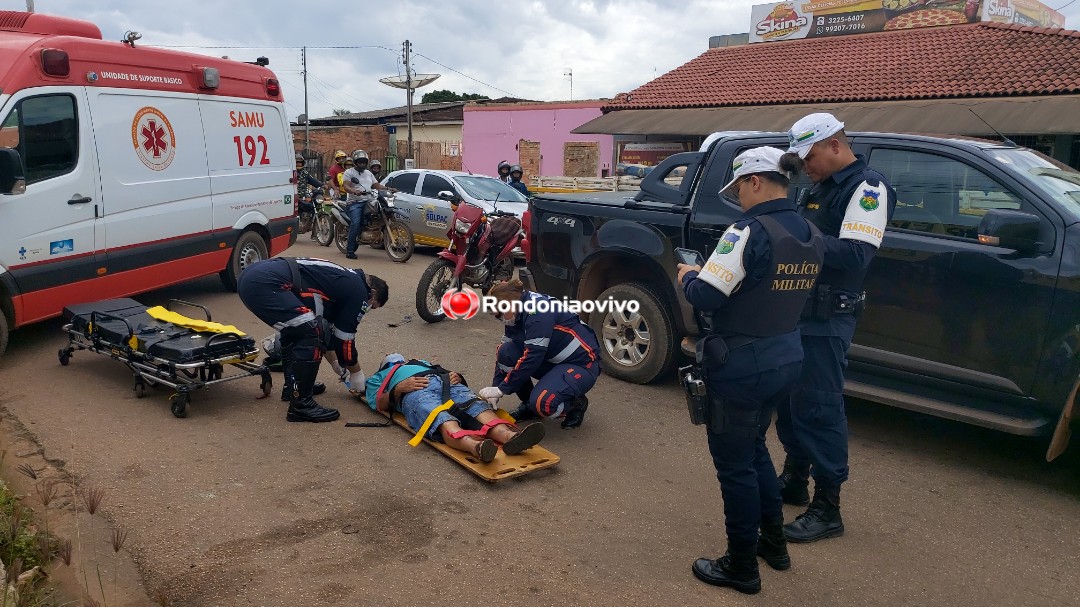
(18, 535)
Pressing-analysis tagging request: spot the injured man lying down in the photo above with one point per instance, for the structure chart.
(417, 389)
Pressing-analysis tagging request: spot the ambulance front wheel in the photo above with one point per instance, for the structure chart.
(3, 332)
(250, 248)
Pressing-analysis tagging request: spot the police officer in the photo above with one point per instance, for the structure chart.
(295, 296)
(851, 204)
(552, 346)
(750, 294)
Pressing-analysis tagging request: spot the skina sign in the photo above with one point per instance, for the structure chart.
(782, 21)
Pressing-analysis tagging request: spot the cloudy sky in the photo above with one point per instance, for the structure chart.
(508, 48)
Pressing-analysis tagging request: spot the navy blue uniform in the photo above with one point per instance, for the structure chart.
(555, 348)
(851, 208)
(338, 294)
(520, 186)
(764, 357)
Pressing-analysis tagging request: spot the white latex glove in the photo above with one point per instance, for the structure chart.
(356, 382)
(342, 375)
(491, 394)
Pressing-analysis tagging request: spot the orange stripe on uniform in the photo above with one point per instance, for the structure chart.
(592, 355)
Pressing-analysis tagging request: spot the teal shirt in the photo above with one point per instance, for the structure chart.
(403, 372)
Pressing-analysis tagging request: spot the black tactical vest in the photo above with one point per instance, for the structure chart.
(820, 207)
(773, 306)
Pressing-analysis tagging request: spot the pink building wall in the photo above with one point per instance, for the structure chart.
(491, 134)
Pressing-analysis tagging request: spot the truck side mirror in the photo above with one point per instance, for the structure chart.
(1010, 229)
(12, 175)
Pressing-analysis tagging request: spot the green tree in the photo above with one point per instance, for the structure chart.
(341, 111)
(444, 95)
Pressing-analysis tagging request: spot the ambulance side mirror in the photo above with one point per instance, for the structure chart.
(12, 175)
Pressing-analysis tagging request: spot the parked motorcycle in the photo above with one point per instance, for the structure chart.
(308, 207)
(481, 253)
(383, 227)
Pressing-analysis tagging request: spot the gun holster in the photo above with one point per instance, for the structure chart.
(826, 302)
(697, 402)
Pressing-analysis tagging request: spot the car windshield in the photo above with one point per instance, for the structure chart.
(1054, 178)
(489, 189)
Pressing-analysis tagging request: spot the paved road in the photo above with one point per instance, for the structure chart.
(234, 506)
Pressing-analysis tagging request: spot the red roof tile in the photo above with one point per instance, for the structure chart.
(978, 60)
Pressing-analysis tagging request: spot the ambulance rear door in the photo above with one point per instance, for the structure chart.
(155, 186)
(48, 234)
(251, 158)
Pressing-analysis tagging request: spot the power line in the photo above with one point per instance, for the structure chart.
(1058, 9)
(343, 93)
(386, 48)
(466, 75)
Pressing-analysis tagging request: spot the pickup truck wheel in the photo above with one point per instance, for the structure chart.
(638, 347)
(436, 279)
(250, 248)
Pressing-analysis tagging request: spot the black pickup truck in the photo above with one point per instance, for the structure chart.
(973, 300)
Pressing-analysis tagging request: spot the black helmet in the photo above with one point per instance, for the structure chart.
(359, 155)
(504, 165)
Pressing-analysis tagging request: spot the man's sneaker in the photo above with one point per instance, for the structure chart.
(350, 256)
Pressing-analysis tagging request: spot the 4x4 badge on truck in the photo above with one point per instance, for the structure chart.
(869, 200)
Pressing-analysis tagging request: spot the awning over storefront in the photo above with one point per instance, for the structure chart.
(1014, 115)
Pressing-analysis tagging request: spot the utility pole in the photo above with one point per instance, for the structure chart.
(409, 94)
(29, 6)
(307, 117)
(569, 72)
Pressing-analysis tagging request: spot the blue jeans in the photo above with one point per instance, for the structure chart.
(813, 425)
(741, 458)
(355, 210)
(417, 406)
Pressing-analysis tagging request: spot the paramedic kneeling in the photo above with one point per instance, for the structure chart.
(295, 296)
(554, 347)
(417, 388)
(749, 297)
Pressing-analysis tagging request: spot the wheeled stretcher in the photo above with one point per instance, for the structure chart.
(162, 347)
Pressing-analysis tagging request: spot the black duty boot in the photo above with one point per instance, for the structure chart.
(302, 407)
(772, 547)
(524, 412)
(287, 388)
(575, 413)
(738, 571)
(793, 483)
(820, 521)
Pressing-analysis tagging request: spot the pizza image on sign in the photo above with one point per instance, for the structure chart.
(930, 17)
(153, 138)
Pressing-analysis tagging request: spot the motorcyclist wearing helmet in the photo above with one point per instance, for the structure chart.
(335, 172)
(516, 182)
(306, 187)
(376, 169)
(504, 171)
(360, 185)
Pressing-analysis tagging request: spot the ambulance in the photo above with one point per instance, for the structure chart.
(126, 168)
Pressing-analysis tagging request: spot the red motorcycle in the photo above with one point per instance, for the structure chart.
(481, 253)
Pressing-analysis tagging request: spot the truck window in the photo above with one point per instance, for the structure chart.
(940, 195)
(46, 135)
